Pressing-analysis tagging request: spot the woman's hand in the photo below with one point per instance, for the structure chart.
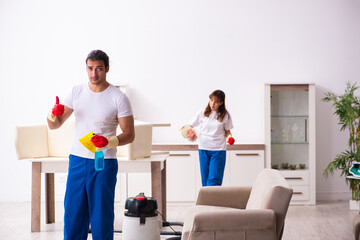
(229, 137)
(191, 135)
(231, 140)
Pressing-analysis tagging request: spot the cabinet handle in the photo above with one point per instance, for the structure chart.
(179, 155)
(293, 178)
(297, 193)
(247, 154)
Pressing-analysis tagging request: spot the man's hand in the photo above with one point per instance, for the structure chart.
(57, 110)
(99, 141)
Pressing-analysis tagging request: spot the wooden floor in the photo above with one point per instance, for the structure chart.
(326, 220)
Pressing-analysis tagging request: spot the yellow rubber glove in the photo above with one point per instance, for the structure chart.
(113, 141)
(51, 117)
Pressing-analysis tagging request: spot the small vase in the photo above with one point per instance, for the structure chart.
(354, 205)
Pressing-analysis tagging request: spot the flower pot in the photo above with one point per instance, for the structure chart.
(354, 205)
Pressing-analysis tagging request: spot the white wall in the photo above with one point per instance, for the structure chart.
(173, 54)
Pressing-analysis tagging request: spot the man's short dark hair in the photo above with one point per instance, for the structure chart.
(97, 55)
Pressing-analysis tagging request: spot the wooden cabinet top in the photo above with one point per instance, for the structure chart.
(194, 147)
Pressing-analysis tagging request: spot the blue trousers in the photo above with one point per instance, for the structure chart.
(89, 199)
(212, 165)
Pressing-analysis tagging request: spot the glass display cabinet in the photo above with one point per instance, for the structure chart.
(290, 136)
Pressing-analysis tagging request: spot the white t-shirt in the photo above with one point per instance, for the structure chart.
(211, 132)
(97, 113)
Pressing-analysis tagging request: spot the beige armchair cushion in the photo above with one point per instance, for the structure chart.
(31, 134)
(59, 140)
(141, 146)
(232, 197)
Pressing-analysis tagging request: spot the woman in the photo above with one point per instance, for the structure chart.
(212, 128)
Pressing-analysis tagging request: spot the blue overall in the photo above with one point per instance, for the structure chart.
(212, 165)
(89, 199)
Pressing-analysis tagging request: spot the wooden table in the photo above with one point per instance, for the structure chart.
(49, 166)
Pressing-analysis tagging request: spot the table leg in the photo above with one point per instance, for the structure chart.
(35, 197)
(163, 190)
(158, 186)
(49, 198)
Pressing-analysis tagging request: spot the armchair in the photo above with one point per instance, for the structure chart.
(244, 213)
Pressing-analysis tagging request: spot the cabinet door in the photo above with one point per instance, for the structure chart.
(131, 184)
(138, 183)
(180, 176)
(290, 125)
(121, 188)
(245, 166)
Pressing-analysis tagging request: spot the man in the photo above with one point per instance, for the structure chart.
(99, 107)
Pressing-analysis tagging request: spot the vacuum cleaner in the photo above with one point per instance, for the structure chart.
(141, 220)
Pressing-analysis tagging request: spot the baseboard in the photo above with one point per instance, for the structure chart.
(181, 203)
(333, 196)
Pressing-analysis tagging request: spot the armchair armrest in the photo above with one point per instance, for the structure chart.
(233, 197)
(235, 219)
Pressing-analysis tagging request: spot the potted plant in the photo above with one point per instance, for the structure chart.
(347, 109)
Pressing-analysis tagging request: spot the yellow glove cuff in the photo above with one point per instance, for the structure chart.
(51, 117)
(113, 141)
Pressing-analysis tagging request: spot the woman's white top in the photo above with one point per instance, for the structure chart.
(210, 131)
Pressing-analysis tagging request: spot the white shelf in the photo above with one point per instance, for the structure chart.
(290, 136)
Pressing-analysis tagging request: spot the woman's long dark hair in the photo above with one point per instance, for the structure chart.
(221, 112)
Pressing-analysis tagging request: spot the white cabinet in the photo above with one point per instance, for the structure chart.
(290, 136)
(181, 175)
(131, 184)
(183, 178)
(137, 183)
(243, 167)
(181, 182)
(300, 182)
